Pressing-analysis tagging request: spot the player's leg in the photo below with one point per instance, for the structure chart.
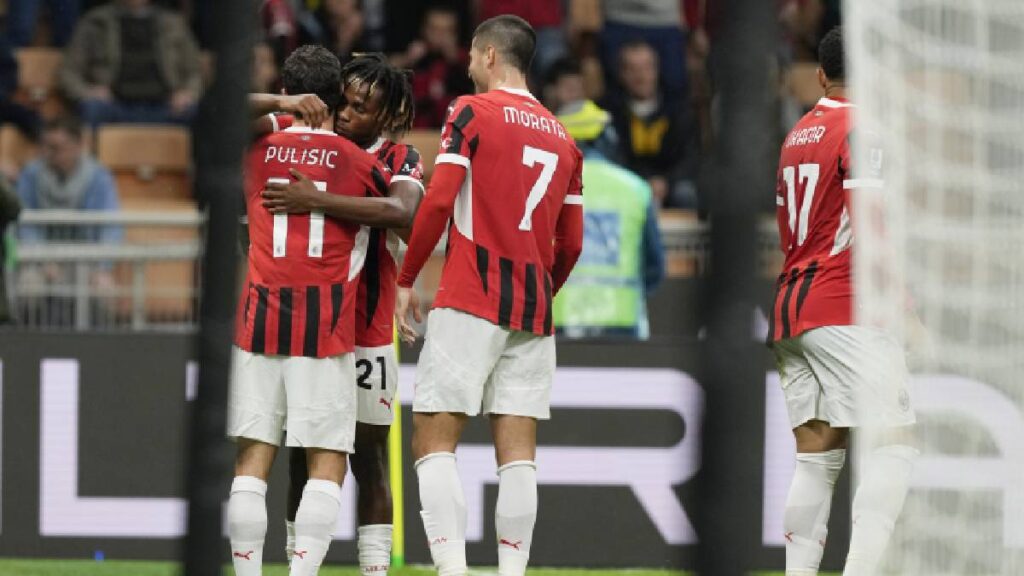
(864, 375)
(321, 417)
(298, 474)
(442, 502)
(821, 452)
(458, 354)
(256, 411)
(370, 468)
(517, 394)
(377, 369)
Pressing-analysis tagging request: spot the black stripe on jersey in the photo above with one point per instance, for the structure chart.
(547, 303)
(805, 286)
(473, 144)
(464, 118)
(337, 295)
(530, 303)
(775, 306)
(379, 181)
(506, 292)
(483, 264)
(310, 340)
(284, 323)
(248, 300)
(455, 146)
(259, 323)
(790, 283)
(371, 275)
(412, 157)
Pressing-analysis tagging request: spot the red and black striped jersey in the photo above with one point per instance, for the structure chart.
(522, 172)
(813, 212)
(300, 294)
(375, 301)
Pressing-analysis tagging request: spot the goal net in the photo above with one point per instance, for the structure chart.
(939, 261)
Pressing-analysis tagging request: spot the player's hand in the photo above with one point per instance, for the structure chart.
(312, 109)
(296, 197)
(405, 302)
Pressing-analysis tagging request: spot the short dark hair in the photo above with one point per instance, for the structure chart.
(397, 103)
(634, 44)
(66, 123)
(830, 55)
(565, 66)
(510, 35)
(313, 69)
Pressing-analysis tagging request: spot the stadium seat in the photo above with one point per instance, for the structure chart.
(170, 286)
(37, 79)
(148, 161)
(426, 141)
(680, 263)
(15, 149)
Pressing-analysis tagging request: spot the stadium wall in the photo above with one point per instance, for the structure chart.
(93, 436)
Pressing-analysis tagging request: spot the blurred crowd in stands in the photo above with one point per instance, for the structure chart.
(649, 63)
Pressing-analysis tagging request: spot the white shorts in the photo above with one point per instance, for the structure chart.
(377, 381)
(314, 399)
(469, 365)
(848, 376)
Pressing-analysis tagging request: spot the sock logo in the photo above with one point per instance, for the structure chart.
(788, 536)
(438, 540)
(246, 556)
(513, 545)
(301, 554)
(385, 402)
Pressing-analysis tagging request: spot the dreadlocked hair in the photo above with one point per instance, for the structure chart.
(372, 69)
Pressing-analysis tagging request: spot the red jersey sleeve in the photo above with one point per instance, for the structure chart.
(405, 164)
(281, 121)
(431, 219)
(460, 135)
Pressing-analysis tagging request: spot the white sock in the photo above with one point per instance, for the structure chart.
(515, 515)
(877, 505)
(807, 509)
(247, 524)
(289, 540)
(443, 511)
(374, 546)
(314, 524)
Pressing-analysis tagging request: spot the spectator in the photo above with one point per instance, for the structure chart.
(655, 127)
(659, 23)
(10, 207)
(131, 61)
(342, 24)
(280, 27)
(623, 260)
(64, 178)
(439, 66)
(25, 119)
(22, 16)
(563, 84)
(265, 72)
(545, 16)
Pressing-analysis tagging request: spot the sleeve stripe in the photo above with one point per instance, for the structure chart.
(863, 183)
(404, 178)
(273, 122)
(574, 199)
(449, 158)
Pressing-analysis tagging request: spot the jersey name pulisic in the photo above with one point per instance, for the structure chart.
(299, 295)
(813, 212)
(522, 167)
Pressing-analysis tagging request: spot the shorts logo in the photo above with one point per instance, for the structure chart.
(385, 402)
(246, 556)
(904, 400)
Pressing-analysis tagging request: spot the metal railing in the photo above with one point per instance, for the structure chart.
(149, 279)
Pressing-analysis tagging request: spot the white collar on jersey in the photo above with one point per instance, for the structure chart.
(519, 92)
(376, 145)
(830, 103)
(308, 130)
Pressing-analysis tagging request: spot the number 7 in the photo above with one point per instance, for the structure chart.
(549, 161)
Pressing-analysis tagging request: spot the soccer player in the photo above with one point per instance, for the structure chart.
(293, 367)
(509, 176)
(377, 99)
(835, 375)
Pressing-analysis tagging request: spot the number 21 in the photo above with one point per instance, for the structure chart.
(549, 161)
